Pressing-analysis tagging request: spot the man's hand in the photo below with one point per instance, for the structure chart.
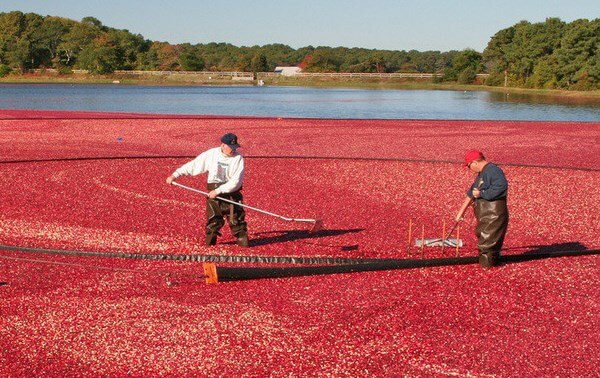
(170, 179)
(476, 193)
(212, 194)
(466, 203)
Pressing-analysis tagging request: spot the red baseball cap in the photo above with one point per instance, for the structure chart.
(471, 156)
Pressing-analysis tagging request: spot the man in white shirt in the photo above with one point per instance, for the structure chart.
(225, 167)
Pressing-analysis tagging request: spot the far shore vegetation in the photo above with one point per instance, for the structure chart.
(324, 82)
(550, 58)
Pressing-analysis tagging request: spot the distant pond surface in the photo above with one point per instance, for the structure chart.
(298, 102)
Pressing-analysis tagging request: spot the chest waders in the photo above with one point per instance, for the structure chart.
(492, 222)
(216, 213)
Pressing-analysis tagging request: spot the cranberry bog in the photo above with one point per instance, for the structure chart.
(102, 262)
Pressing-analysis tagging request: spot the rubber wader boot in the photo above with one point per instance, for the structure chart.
(211, 239)
(242, 241)
(488, 259)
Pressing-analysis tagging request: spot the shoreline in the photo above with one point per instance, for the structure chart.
(7, 114)
(355, 83)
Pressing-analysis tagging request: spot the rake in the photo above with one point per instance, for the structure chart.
(445, 242)
(317, 224)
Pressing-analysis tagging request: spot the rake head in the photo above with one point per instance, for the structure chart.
(453, 243)
(317, 226)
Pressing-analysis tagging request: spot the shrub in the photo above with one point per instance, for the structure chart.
(65, 70)
(467, 76)
(496, 79)
(4, 70)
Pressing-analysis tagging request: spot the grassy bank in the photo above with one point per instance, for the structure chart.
(320, 82)
(423, 84)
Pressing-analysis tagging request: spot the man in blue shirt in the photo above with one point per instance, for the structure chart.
(488, 195)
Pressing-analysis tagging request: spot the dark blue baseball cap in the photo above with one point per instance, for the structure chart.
(231, 140)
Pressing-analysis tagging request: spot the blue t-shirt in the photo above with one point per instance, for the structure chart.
(491, 183)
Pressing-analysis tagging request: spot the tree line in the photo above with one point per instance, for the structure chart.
(550, 54)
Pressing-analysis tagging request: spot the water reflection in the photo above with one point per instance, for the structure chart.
(298, 102)
(537, 99)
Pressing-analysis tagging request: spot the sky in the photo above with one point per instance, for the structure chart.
(439, 25)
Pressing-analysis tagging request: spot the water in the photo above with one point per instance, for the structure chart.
(295, 102)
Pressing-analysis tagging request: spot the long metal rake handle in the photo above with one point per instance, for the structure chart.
(242, 205)
(452, 230)
(449, 232)
(455, 223)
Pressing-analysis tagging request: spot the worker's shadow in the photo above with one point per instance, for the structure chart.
(549, 251)
(282, 236)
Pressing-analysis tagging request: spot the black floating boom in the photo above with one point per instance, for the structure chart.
(248, 273)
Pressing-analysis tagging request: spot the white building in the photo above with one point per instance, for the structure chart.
(287, 71)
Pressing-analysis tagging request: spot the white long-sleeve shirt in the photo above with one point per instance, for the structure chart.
(222, 169)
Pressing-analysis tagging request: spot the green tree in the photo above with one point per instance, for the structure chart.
(48, 37)
(464, 67)
(324, 60)
(100, 57)
(128, 47)
(4, 70)
(19, 55)
(426, 61)
(15, 46)
(529, 44)
(593, 72)
(279, 55)
(149, 60)
(580, 46)
(93, 23)
(495, 55)
(190, 59)
(219, 56)
(258, 63)
(544, 75)
(79, 36)
(550, 54)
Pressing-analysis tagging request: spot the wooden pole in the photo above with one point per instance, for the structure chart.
(443, 235)
(422, 239)
(457, 238)
(409, 236)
